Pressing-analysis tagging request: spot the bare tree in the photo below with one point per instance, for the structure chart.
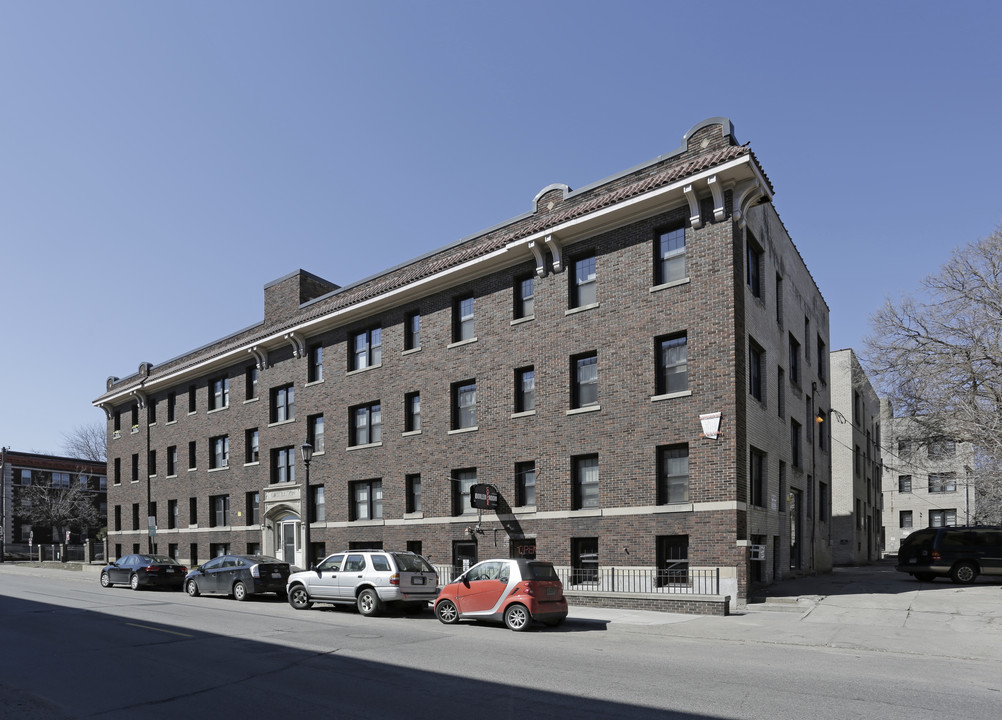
(938, 356)
(60, 507)
(87, 442)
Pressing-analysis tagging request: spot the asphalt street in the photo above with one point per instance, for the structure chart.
(766, 660)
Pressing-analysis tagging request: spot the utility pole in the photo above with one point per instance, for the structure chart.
(3, 501)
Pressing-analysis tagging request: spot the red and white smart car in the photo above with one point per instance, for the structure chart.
(512, 591)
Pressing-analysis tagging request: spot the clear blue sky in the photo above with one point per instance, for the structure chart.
(161, 162)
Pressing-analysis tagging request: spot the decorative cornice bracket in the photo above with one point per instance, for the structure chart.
(694, 219)
(140, 397)
(298, 344)
(718, 198)
(537, 252)
(260, 356)
(746, 195)
(555, 250)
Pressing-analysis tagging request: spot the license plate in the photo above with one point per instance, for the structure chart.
(913, 560)
(277, 574)
(551, 591)
(170, 570)
(417, 581)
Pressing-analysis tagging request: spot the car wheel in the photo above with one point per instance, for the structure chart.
(517, 618)
(192, 589)
(447, 612)
(963, 573)
(240, 592)
(299, 598)
(106, 580)
(134, 582)
(369, 603)
(925, 577)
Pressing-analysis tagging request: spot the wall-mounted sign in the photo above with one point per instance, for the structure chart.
(484, 497)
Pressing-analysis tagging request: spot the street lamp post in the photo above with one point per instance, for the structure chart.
(307, 451)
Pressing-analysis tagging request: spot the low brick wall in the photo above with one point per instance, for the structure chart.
(686, 604)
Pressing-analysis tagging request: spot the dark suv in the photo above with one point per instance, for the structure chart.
(960, 553)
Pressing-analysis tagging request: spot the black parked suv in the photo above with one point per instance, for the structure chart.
(959, 553)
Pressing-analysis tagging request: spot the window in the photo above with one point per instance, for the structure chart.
(413, 493)
(192, 399)
(464, 405)
(673, 474)
(118, 471)
(822, 360)
(412, 331)
(780, 392)
(754, 270)
(219, 393)
(412, 412)
(782, 486)
(584, 560)
(584, 380)
(525, 305)
(673, 364)
(118, 421)
(252, 504)
(942, 448)
(904, 483)
(582, 282)
(463, 480)
(779, 300)
(585, 482)
(251, 446)
(366, 424)
(319, 510)
(756, 364)
(172, 515)
(135, 418)
(756, 474)
(943, 482)
(283, 404)
(794, 361)
(942, 518)
(525, 389)
(904, 447)
(315, 432)
(905, 519)
(672, 553)
(172, 460)
(283, 465)
(807, 338)
(462, 319)
(220, 510)
(795, 443)
(151, 467)
(367, 349)
(192, 452)
(525, 484)
(151, 411)
(135, 516)
(857, 408)
(171, 407)
(366, 500)
(857, 461)
(315, 367)
(118, 517)
(250, 382)
(135, 467)
(669, 258)
(219, 452)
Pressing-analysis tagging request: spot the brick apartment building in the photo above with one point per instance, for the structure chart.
(637, 366)
(20, 470)
(925, 484)
(857, 466)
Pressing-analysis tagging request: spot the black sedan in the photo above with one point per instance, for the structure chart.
(139, 571)
(239, 576)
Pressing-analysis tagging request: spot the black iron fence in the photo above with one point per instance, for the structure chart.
(688, 581)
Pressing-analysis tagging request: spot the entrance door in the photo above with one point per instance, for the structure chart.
(287, 540)
(796, 528)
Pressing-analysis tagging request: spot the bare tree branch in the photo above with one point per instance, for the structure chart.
(87, 442)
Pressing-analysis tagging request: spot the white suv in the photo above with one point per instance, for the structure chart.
(368, 579)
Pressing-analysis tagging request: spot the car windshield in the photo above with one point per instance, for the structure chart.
(161, 560)
(542, 571)
(412, 563)
(919, 536)
(265, 559)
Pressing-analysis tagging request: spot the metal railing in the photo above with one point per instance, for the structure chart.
(623, 580)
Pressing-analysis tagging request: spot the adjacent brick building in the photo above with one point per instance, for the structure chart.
(857, 465)
(637, 366)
